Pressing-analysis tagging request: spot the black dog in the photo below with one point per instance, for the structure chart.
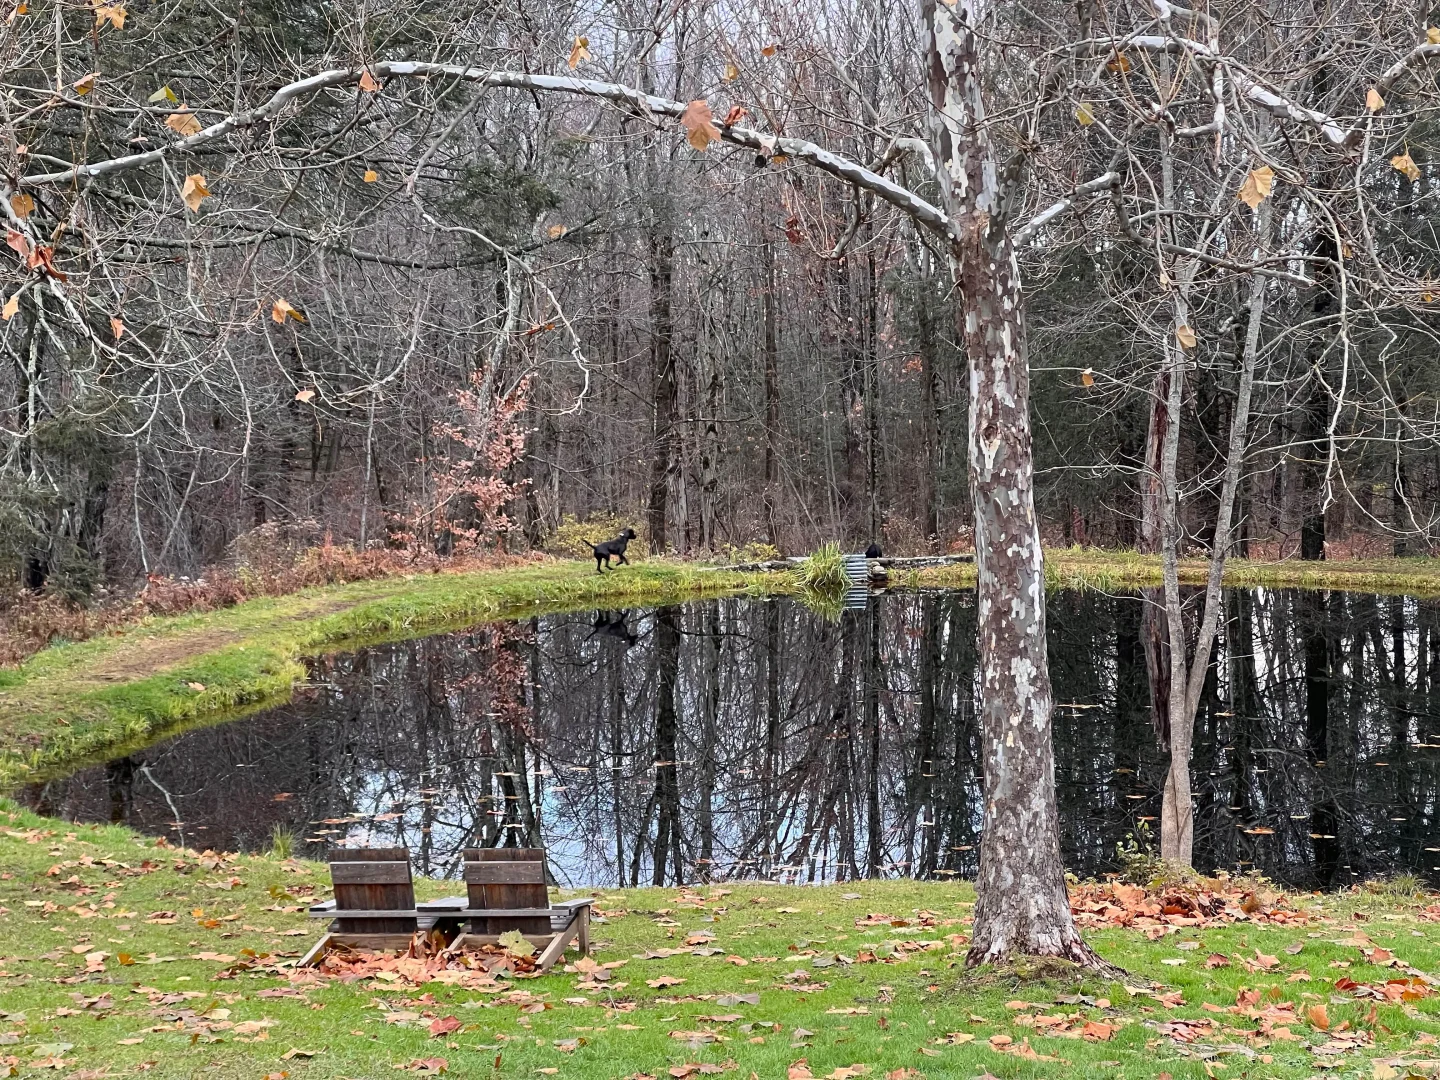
(604, 551)
(873, 551)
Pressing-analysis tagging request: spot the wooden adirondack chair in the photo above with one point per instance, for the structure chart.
(506, 890)
(374, 905)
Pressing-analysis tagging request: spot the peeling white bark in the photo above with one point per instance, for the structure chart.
(1023, 907)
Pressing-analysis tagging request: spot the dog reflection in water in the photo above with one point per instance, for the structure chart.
(612, 624)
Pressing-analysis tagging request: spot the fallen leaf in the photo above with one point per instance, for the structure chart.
(370, 176)
(699, 124)
(295, 1052)
(799, 1070)
(663, 981)
(444, 1026)
(432, 1066)
(1318, 1017)
(1217, 960)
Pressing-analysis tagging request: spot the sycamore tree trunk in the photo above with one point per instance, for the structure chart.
(1022, 906)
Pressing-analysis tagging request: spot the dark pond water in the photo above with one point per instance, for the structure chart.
(739, 738)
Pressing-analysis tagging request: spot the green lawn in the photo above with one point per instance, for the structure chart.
(119, 957)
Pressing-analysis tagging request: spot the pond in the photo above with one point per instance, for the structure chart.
(745, 738)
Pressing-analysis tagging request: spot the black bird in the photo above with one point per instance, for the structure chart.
(873, 551)
(604, 551)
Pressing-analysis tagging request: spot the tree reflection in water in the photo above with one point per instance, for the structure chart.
(741, 738)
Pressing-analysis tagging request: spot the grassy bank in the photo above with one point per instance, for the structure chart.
(70, 702)
(118, 957)
(1093, 568)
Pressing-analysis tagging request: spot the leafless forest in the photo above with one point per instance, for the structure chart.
(437, 277)
(447, 306)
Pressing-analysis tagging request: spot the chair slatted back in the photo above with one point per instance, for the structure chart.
(501, 878)
(373, 879)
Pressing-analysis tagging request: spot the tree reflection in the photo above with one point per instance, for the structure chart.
(741, 738)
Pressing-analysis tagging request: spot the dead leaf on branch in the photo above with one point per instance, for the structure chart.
(23, 203)
(370, 176)
(118, 329)
(1406, 164)
(1373, 101)
(163, 94)
(1087, 377)
(579, 52)
(183, 123)
(1257, 186)
(1185, 335)
(85, 83)
(282, 309)
(307, 395)
(1083, 115)
(11, 308)
(731, 73)
(114, 14)
(699, 124)
(368, 83)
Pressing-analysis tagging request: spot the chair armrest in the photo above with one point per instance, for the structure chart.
(444, 904)
(584, 901)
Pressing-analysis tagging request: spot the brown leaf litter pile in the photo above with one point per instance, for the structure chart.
(1209, 902)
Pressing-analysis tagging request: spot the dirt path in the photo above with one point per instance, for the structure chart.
(137, 653)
